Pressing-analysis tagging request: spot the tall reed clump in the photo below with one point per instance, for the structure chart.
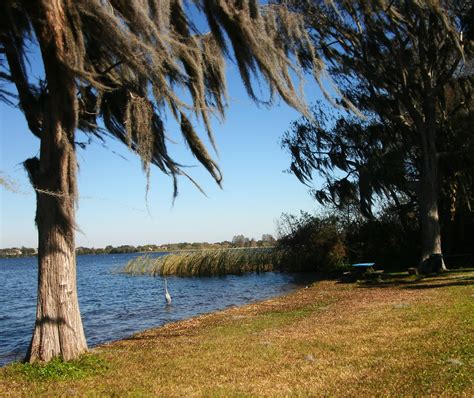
(206, 263)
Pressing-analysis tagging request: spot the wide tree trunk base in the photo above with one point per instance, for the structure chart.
(47, 343)
(433, 264)
(58, 329)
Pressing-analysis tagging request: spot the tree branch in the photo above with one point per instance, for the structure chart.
(28, 101)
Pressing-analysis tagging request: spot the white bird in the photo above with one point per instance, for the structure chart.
(167, 294)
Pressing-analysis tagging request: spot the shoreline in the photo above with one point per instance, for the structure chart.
(329, 339)
(182, 308)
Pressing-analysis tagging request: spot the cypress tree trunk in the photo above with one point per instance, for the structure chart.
(429, 215)
(58, 330)
(430, 229)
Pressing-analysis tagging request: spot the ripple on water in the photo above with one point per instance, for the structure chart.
(114, 305)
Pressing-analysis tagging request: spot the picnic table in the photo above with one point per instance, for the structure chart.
(364, 267)
(363, 270)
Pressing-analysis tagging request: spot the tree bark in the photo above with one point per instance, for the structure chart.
(58, 330)
(429, 215)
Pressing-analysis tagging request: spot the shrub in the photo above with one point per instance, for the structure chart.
(312, 243)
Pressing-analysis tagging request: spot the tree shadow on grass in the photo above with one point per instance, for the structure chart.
(163, 334)
(455, 282)
(459, 270)
(430, 282)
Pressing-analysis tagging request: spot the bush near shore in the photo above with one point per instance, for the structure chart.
(310, 244)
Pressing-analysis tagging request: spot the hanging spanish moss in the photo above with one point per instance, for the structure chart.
(130, 59)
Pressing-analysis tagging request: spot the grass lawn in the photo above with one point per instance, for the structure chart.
(402, 337)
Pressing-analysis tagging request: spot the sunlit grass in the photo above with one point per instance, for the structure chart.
(57, 369)
(206, 262)
(394, 339)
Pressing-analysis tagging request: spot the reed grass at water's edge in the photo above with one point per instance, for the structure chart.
(207, 262)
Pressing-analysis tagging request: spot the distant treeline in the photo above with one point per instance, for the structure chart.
(237, 241)
(18, 252)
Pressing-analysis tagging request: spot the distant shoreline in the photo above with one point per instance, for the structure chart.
(146, 249)
(78, 254)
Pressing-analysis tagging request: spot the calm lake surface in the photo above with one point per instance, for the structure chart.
(115, 305)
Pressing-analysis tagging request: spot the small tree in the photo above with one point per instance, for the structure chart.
(268, 238)
(312, 243)
(239, 240)
(112, 69)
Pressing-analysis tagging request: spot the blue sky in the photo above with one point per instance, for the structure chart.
(112, 188)
(112, 206)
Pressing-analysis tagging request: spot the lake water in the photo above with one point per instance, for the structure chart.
(115, 305)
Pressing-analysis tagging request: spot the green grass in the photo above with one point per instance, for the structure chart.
(398, 338)
(206, 262)
(57, 369)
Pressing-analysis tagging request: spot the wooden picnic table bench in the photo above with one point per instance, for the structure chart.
(364, 266)
(364, 270)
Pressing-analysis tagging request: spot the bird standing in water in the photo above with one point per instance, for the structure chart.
(167, 293)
